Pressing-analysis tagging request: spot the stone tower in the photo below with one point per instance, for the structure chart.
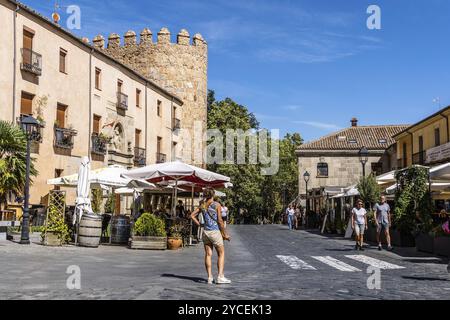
(180, 68)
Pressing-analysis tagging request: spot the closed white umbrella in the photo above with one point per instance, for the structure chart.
(83, 203)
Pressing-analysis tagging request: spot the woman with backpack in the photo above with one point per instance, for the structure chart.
(213, 235)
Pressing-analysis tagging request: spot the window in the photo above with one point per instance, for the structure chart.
(377, 168)
(158, 108)
(62, 60)
(26, 104)
(98, 74)
(421, 144)
(61, 115)
(174, 150)
(119, 86)
(28, 36)
(352, 141)
(96, 124)
(322, 170)
(58, 173)
(382, 141)
(158, 145)
(137, 138)
(138, 98)
(437, 137)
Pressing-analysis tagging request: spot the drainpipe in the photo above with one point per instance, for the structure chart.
(14, 64)
(90, 105)
(146, 123)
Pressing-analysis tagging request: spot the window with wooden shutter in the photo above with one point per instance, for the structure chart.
(137, 138)
(98, 73)
(138, 98)
(96, 124)
(62, 60)
(61, 115)
(27, 46)
(26, 104)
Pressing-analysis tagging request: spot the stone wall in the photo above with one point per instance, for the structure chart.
(343, 171)
(179, 67)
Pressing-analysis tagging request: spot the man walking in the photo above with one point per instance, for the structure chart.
(383, 221)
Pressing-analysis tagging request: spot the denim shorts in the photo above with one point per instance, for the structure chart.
(383, 226)
(360, 228)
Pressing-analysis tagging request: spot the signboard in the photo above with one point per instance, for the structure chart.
(438, 153)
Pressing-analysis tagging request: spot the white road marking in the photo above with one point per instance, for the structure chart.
(295, 263)
(332, 262)
(375, 262)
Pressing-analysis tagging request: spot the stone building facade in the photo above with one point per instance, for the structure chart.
(92, 104)
(179, 67)
(333, 161)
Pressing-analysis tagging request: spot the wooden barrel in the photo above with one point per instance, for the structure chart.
(120, 229)
(90, 231)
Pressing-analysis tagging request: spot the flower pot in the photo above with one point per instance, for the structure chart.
(51, 239)
(424, 243)
(442, 246)
(174, 243)
(35, 237)
(402, 239)
(148, 243)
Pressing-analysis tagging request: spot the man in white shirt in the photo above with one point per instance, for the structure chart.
(290, 216)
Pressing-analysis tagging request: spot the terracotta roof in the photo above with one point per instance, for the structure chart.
(354, 138)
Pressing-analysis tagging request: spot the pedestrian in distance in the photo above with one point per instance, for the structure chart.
(225, 215)
(383, 222)
(298, 217)
(290, 212)
(359, 224)
(213, 236)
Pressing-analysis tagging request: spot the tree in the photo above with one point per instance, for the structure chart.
(369, 190)
(12, 161)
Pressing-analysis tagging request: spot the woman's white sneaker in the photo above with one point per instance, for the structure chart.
(210, 280)
(222, 280)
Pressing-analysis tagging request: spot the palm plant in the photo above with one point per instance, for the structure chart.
(13, 156)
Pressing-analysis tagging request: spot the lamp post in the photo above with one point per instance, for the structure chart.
(363, 158)
(306, 177)
(31, 128)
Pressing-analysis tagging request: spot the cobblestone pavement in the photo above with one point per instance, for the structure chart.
(264, 262)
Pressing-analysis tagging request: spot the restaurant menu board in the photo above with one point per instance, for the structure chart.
(438, 153)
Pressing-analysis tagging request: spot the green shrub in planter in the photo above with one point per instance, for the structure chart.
(56, 225)
(150, 225)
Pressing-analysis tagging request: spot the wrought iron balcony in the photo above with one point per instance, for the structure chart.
(31, 61)
(176, 124)
(140, 157)
(64, 138)
(122, 101)
(419, 158)
(160, 157)
(99, 144)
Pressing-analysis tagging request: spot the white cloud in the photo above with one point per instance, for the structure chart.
(319, 125)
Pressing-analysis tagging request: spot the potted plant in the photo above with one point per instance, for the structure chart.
(441, 242)
(15, 233)
(55, 232)
(149, 233)
(175, 238)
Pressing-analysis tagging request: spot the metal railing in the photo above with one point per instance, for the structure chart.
(122, 101)
(176, 124)
(64, 138)
(99, 144)
(31, 61)
(140, 157)
(160, 157)
(420, 158)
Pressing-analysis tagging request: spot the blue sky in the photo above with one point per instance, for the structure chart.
(303, 66)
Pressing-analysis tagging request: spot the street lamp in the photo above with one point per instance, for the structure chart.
(31, 128)
(363, 158)
(306, 177)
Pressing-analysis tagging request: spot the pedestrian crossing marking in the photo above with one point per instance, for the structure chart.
(375, 262)
(295, 263)
(337, 264)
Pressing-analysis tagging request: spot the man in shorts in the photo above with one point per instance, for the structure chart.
(383, 221)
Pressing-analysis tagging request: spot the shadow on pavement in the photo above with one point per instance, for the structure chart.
(194, 279)
(424, 278)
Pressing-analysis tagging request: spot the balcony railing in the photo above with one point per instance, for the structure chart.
(31, 62)
(140, 157)
(122, 101)
(419, 158)
(99, 144)
(176, 124)
(160, 157)
(37, 135)
(64, 137)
